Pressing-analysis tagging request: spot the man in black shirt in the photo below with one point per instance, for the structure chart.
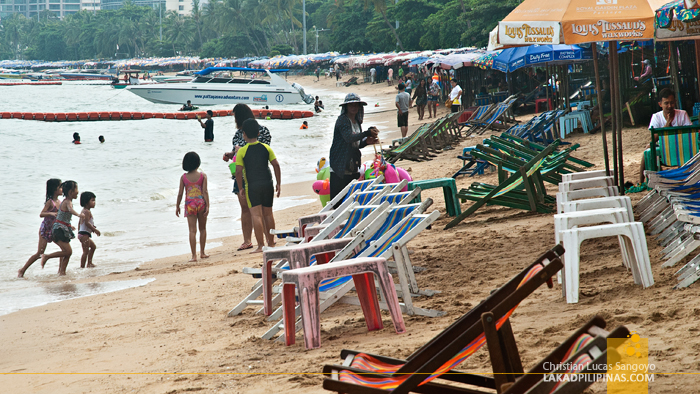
(208, 127)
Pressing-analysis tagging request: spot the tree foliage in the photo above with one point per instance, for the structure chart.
(237, 28)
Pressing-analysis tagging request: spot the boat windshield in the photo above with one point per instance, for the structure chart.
(243, 78)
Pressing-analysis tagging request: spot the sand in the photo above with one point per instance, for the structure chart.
(173, 335)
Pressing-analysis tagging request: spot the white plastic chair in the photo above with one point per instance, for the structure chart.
(571, 220)
(603, 181)
(562, 197)
(635, 241)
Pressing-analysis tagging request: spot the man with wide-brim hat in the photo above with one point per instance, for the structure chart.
(348, 139)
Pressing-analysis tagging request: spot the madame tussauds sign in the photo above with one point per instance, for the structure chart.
(610, 30)
(518, 33)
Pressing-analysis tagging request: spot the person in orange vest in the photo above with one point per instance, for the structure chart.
(304, 126)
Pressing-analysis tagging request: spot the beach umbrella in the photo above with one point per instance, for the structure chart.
(512, 59)
(578, 21)
(585, 21)
(676, 21)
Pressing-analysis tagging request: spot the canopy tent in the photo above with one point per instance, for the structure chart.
(512, 59)
(578, 21)
(456, 60)
(584, 21)
(675, 22)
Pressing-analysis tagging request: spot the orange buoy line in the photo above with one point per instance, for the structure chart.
(124, 115)
(31, 83)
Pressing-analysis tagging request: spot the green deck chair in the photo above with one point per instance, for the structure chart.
(527, 177)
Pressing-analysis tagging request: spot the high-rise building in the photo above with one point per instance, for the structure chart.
(60, 8)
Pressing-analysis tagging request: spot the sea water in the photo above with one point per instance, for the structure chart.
(135, 175)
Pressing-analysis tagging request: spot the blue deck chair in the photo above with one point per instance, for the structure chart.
(355, 218)
(386, 237)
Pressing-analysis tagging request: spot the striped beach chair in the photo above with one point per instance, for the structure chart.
(677, 145)
(386, 237)
(362, 372)
(355, 218)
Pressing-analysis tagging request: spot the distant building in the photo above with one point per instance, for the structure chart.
(61, 8)
(182, 7)
(30, 8)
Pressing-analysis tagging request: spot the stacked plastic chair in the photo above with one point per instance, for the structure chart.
(589, 198)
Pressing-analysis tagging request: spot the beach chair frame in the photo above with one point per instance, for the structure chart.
(443, 347)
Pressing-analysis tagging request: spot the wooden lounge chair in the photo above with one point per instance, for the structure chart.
(507, 192)
(365, 373)
(588, 348)
(351, 81)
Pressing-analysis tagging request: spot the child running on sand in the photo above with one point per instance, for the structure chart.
(86, 227)
(252, 165)
(53, 190)
(62, 231)
(196, 202)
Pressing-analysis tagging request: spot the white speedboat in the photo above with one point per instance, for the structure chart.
(208, 88)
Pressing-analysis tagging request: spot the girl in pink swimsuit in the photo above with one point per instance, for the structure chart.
(53, 190)
(194, 184)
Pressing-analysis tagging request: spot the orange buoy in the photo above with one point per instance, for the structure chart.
(16, 115)
(256, 113)
(28, 115)
(287, 114)
(71, 116)
(93, 115)
(104, 115)
(83, 116)
(125, 115)
(49, 117)
(308, 114)
(5, 115)
(225, 112)
(180, 116)
(115, 115)
(147, 115)
(60, 117)
(190, 115)
(275, 114)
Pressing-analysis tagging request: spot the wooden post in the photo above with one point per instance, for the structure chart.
(618, 98)
(613, 108)
(567, 100)
(673, 59)
(697, 67)
(599, 93)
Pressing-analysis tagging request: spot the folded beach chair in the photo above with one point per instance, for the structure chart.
(347, 193)
(533, 197)
(488, 323)
(412, 148)
(497, 115)
(385, 237)
(480, 115)
(538, 147)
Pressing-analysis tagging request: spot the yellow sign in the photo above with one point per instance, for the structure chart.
(632, 373)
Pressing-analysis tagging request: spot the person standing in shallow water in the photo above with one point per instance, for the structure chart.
(208, 126)
(348, 139)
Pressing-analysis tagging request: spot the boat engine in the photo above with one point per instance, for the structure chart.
(308, 99)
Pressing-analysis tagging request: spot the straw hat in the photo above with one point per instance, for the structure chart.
(352, 98)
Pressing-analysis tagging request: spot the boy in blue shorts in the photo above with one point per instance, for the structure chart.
(252, 170)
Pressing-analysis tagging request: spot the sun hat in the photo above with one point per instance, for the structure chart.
(352, 98)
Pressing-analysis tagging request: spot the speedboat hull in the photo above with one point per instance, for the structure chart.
(179, 93)
(207, 88)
